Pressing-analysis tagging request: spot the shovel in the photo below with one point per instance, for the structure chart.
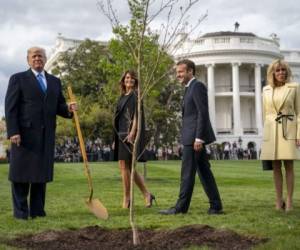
(94, 205)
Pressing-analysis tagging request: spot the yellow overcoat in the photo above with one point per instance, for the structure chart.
(281, 116)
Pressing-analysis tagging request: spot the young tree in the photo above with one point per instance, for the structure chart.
(135, 37)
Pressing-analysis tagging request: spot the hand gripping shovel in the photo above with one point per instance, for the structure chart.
(94, 205)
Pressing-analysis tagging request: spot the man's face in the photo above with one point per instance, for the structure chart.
(183, 75)
(36, 60)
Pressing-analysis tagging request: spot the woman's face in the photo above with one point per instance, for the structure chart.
(128, 82)
(280, 73)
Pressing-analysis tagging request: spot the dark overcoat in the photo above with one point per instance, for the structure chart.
(31, 113)
(131, 105)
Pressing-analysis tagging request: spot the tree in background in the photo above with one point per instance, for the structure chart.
(93, 70)
(82, 68)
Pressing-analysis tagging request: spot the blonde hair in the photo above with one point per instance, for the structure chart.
(271, 72)
(34, 49)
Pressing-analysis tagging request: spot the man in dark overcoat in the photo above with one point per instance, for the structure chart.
(196, 132)
(32, 101)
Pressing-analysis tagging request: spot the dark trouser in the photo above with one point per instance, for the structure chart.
(20, 192)
(193, 161)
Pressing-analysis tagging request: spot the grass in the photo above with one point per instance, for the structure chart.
(247, 193)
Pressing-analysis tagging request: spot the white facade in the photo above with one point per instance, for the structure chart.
(2, 139)
(233, 65)
(62, 44)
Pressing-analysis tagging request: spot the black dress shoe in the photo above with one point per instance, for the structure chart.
(215, 211)
(169, 211)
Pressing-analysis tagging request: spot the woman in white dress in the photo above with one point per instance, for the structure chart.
(281, 137)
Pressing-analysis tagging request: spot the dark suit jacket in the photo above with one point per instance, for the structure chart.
(32, 113)
(195, 117)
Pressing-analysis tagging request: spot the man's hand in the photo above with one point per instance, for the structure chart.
(198, 146)
(72, 106)
(298, 142)
(15, 139)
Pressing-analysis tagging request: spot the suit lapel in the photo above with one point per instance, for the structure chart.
(286, 93)
(50, 86)
(187, 92)
(34, 84)
(120, 108)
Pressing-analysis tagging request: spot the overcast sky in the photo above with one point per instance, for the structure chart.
(27, 23)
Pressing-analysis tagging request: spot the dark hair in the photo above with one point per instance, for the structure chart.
(189, 64)
(122, 81)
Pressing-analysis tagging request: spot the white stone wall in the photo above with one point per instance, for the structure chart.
(226, 64)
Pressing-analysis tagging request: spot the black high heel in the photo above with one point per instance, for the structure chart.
(126, 205)
(149, 200)
(283, 205)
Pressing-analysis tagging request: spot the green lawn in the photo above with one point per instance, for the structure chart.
(247, 193)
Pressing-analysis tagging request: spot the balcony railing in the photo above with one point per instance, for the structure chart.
(224, 131)
(250, 131)
(229, 43)
(228, 88)
(247, 88)
(223, 88)
(229, 131)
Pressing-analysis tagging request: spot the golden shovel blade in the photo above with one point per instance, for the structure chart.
(97, 208)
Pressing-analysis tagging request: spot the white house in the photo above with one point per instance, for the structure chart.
(233, 65)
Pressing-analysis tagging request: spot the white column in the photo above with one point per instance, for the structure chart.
(258, 98)
(237, 129)
(211, 94)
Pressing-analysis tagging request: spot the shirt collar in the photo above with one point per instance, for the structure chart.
(36, 73)
(188, 84)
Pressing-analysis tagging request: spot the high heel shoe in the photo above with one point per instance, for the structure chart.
(149, 200)
(126, 204)
(282, 206)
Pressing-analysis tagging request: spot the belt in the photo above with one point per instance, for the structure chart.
(282, 118)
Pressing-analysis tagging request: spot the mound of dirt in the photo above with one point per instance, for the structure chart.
(95, 237)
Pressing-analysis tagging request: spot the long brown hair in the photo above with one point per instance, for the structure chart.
(271, 72)
(122, 81)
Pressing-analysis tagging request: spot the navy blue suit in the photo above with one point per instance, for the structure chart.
(196, 124)
(31, 113)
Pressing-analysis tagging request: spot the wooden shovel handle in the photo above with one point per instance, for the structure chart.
(81, 143)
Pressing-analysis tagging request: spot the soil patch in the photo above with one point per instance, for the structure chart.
(95, 237)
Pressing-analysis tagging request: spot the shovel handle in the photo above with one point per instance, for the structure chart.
(81, 143)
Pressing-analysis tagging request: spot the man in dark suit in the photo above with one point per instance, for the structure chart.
(196, 132)
(32, 101)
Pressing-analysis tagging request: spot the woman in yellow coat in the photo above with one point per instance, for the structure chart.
(281, 136)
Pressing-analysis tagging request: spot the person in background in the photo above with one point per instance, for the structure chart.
(281, 134)
(32, 101)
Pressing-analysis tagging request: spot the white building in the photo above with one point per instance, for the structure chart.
(233, 65)
(62, 44)
(2, 139)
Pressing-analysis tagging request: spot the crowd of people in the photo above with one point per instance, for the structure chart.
(67, 150)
